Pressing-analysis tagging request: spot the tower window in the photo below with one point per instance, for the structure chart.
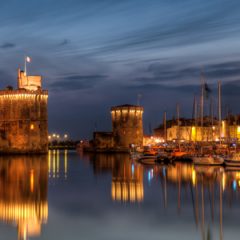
(32, 126)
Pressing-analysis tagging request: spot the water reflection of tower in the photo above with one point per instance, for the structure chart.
(23, 193)
(127, 177)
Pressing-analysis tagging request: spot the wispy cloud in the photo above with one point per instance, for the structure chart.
(177, 74)
(77, 82)
(7, 45)
(64, 42)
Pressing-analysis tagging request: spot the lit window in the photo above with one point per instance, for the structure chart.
(31, 126)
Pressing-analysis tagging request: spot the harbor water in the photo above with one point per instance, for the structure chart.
(69, 195)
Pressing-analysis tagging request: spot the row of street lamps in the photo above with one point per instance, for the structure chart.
(55, 136)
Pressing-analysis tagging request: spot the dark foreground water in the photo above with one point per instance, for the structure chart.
(66, 195)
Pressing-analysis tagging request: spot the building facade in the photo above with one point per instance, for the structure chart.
(226, 132)
(23, 117)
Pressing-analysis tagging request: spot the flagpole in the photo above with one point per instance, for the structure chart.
(25, 66)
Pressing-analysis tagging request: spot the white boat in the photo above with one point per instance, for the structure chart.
(208, 160)
(147, 159)
(233, 160)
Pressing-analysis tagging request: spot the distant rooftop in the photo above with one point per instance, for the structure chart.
(127, 106)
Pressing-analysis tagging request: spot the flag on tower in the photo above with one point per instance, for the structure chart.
(28, 59)
(207, 90)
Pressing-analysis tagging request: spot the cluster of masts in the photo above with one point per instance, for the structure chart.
(198, 117)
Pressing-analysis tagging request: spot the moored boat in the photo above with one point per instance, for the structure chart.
(148, 157)
(233, 160)
(145, 160)
(208, 160)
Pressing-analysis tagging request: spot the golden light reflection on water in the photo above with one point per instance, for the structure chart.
(23, 193)
(55, 164)
(206, 187)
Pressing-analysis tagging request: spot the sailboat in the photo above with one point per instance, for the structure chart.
(207, 159)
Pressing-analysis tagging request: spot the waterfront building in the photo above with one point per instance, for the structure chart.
(23, 116)
(127, 130)
(187, 130)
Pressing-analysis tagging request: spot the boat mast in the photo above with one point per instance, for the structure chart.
(211, 110)
(165, 125)
(196, 118)
(202, 105)
(193, 122)
(219, 111)
(178, 125)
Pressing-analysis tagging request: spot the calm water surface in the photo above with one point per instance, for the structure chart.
(66, 195)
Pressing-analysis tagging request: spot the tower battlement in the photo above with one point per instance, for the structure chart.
(29, 82)
(127, 107)
(21, 93)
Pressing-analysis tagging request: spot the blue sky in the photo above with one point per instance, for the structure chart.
(95, 54)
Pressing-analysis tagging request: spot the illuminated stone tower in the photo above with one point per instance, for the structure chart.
(23, 117)
(127, 125)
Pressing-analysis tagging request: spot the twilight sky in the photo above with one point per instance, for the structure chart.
(95, 54)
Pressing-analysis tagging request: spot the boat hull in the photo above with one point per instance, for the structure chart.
(210, 161)
(147, 160)
(232, 162)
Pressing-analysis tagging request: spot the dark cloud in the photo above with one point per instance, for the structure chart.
(182, 74)
(229, 89)
(7, 45)
(77, 82)
(65, 42)
(170, 88)
(223, 70)
(194, 25)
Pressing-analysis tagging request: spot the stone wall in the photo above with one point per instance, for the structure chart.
(103, 140)
(127, 125)
(23, 121)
